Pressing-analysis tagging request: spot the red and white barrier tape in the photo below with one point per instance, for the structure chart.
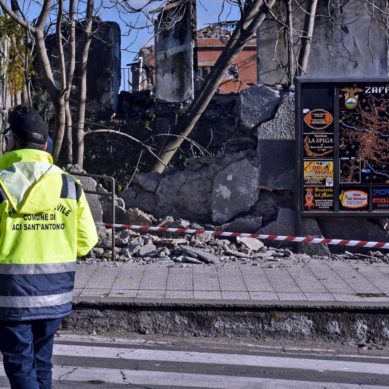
(297, 239)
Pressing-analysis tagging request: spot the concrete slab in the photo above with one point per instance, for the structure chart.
(319, 297)
(179, 294)
(346, 297)
(292, 296)
(94, 292)
(103, 278)
(129, 277)
(353, 278)
(228, 295)
(205, 278)
(83, 275)
(154, 278)
(160, 293)
(306, 280)
(281, 280)
(329, 279)
(263, 296)
(180, 279)
(255, 279)
(130, 293)
(375, 276)
(207, 294)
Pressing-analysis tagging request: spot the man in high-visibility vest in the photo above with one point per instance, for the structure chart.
(45, 223)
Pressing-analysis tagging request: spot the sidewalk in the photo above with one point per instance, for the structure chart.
(328, 283)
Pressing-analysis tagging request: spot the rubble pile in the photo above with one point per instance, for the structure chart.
(184, 249)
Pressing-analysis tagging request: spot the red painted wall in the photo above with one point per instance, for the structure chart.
(209, 50)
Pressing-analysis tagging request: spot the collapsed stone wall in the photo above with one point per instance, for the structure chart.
(249, 188)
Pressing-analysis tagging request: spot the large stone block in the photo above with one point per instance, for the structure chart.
(283, 124)
(89, 185)
(277, 160)
(186, 194)
(235, 190)
(257, 104)
(276, 148)
(310, 227)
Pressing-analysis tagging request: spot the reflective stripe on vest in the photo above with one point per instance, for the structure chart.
(70, 188)
(35, 301)
(47, 268)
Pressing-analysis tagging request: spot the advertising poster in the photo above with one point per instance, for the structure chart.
(354, 198)
(318, 119)
(318, 173)
(380, 198)
(318, 199)
(318, 145)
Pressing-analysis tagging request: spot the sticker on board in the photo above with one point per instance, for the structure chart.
(318, 199)
(354, 199)
(318, 145)
(380, 198)
(318, 173)
(318, 119)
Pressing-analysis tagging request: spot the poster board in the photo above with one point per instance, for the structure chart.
(342, 135)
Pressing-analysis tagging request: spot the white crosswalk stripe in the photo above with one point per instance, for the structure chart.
(136, 365)
(139, 377)
(223, 359)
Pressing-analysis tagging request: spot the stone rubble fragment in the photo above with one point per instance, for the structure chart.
(205, 256)
(251, 243)
(138, 217)
(148, 250)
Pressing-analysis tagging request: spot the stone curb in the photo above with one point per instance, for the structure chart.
(118, 302)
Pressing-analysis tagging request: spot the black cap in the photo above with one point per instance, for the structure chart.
(28, 125)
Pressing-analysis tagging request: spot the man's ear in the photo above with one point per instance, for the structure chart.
(45, 147)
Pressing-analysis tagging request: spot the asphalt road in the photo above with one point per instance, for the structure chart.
(94, 362)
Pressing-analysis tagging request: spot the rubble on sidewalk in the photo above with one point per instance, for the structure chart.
(204, 249)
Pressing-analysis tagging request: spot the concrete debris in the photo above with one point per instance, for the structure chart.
(251, 243)
(204, 249)
(168, 221)
(205, 256)
(148, 250)
(187, 259)
(138, 217)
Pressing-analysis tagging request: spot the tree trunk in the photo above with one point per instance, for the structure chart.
(253, 16)
(69, 78)
(83, 84)
(307, 39)
(291, 58)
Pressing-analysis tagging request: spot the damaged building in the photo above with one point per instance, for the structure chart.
(175, 67)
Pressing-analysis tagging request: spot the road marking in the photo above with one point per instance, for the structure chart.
(221, 359)
(146, 377)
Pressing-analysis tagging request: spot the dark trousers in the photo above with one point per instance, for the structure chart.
(27, 348)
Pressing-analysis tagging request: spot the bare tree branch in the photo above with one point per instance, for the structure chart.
(107, 130)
